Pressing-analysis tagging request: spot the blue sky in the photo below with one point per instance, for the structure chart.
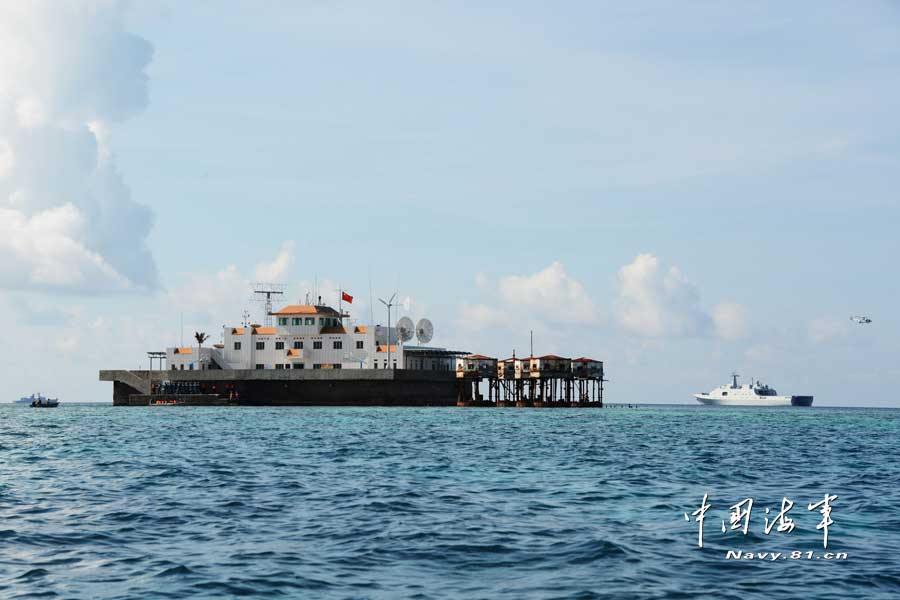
(680, 189)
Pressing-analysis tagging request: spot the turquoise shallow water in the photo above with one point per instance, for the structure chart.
(103, 502)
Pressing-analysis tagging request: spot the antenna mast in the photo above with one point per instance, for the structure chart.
(264, 293)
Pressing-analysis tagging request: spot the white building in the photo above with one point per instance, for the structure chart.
(309, 337)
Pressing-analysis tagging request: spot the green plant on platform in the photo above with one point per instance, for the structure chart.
(200, 337)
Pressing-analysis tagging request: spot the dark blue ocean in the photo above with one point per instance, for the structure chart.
(103, 502)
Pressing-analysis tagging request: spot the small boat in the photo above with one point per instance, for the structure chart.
(38, 401)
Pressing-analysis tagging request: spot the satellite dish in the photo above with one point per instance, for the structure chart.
(424, 331)
(405, 329)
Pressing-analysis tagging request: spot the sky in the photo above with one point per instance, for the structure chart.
(679, 189)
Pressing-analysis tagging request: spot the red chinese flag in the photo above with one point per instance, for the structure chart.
(346, 297)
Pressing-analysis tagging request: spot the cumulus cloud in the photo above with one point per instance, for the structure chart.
(655, 304)
(213, 299)
(730, 320)
(68, 71)
(277, 269)
(44, 251)
(551, 292)
(550, 302)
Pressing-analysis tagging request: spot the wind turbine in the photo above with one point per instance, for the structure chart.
(389, 304)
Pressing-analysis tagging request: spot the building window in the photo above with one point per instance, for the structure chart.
(317, 345)
(298, 365)
(259, 367)
(359, 344)
(297, 321)
(279, 345)
(237, 345)
(282, 320)
(310, 320)
(338, 345)
(336, 366)
(298, 345)
(260, 345)
(317, 366)
(279, 366)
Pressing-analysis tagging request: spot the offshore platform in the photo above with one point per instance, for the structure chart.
(314, 354)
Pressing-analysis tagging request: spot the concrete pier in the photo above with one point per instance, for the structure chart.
(295, 387)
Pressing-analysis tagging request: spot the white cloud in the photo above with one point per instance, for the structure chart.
(550, 294)
(550, 303)
(658, 304)
(210, 300)
(480, 317)
(45, 251)
(731, 320)
(68, 70)
(276, 270)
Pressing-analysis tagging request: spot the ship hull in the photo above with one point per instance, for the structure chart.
(758, 401)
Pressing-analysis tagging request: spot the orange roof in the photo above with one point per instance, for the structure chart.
(264, 331)
(338, 329)
(361, 329)
(479, 357)
(218, 345)
(550, 357)
(384, 348)
(293, 352)
(297, 309)
(237, 331)
(583, 359)
(306, 309)
(184, 350)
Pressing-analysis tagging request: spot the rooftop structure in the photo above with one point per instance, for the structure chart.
(311, 336)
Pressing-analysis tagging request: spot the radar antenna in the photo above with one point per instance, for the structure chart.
(263, 292)
(405, 329)
(424, 331)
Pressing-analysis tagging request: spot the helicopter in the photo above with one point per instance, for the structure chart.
(862, 320)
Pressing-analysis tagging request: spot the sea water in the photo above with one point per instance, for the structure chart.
(171, 502)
